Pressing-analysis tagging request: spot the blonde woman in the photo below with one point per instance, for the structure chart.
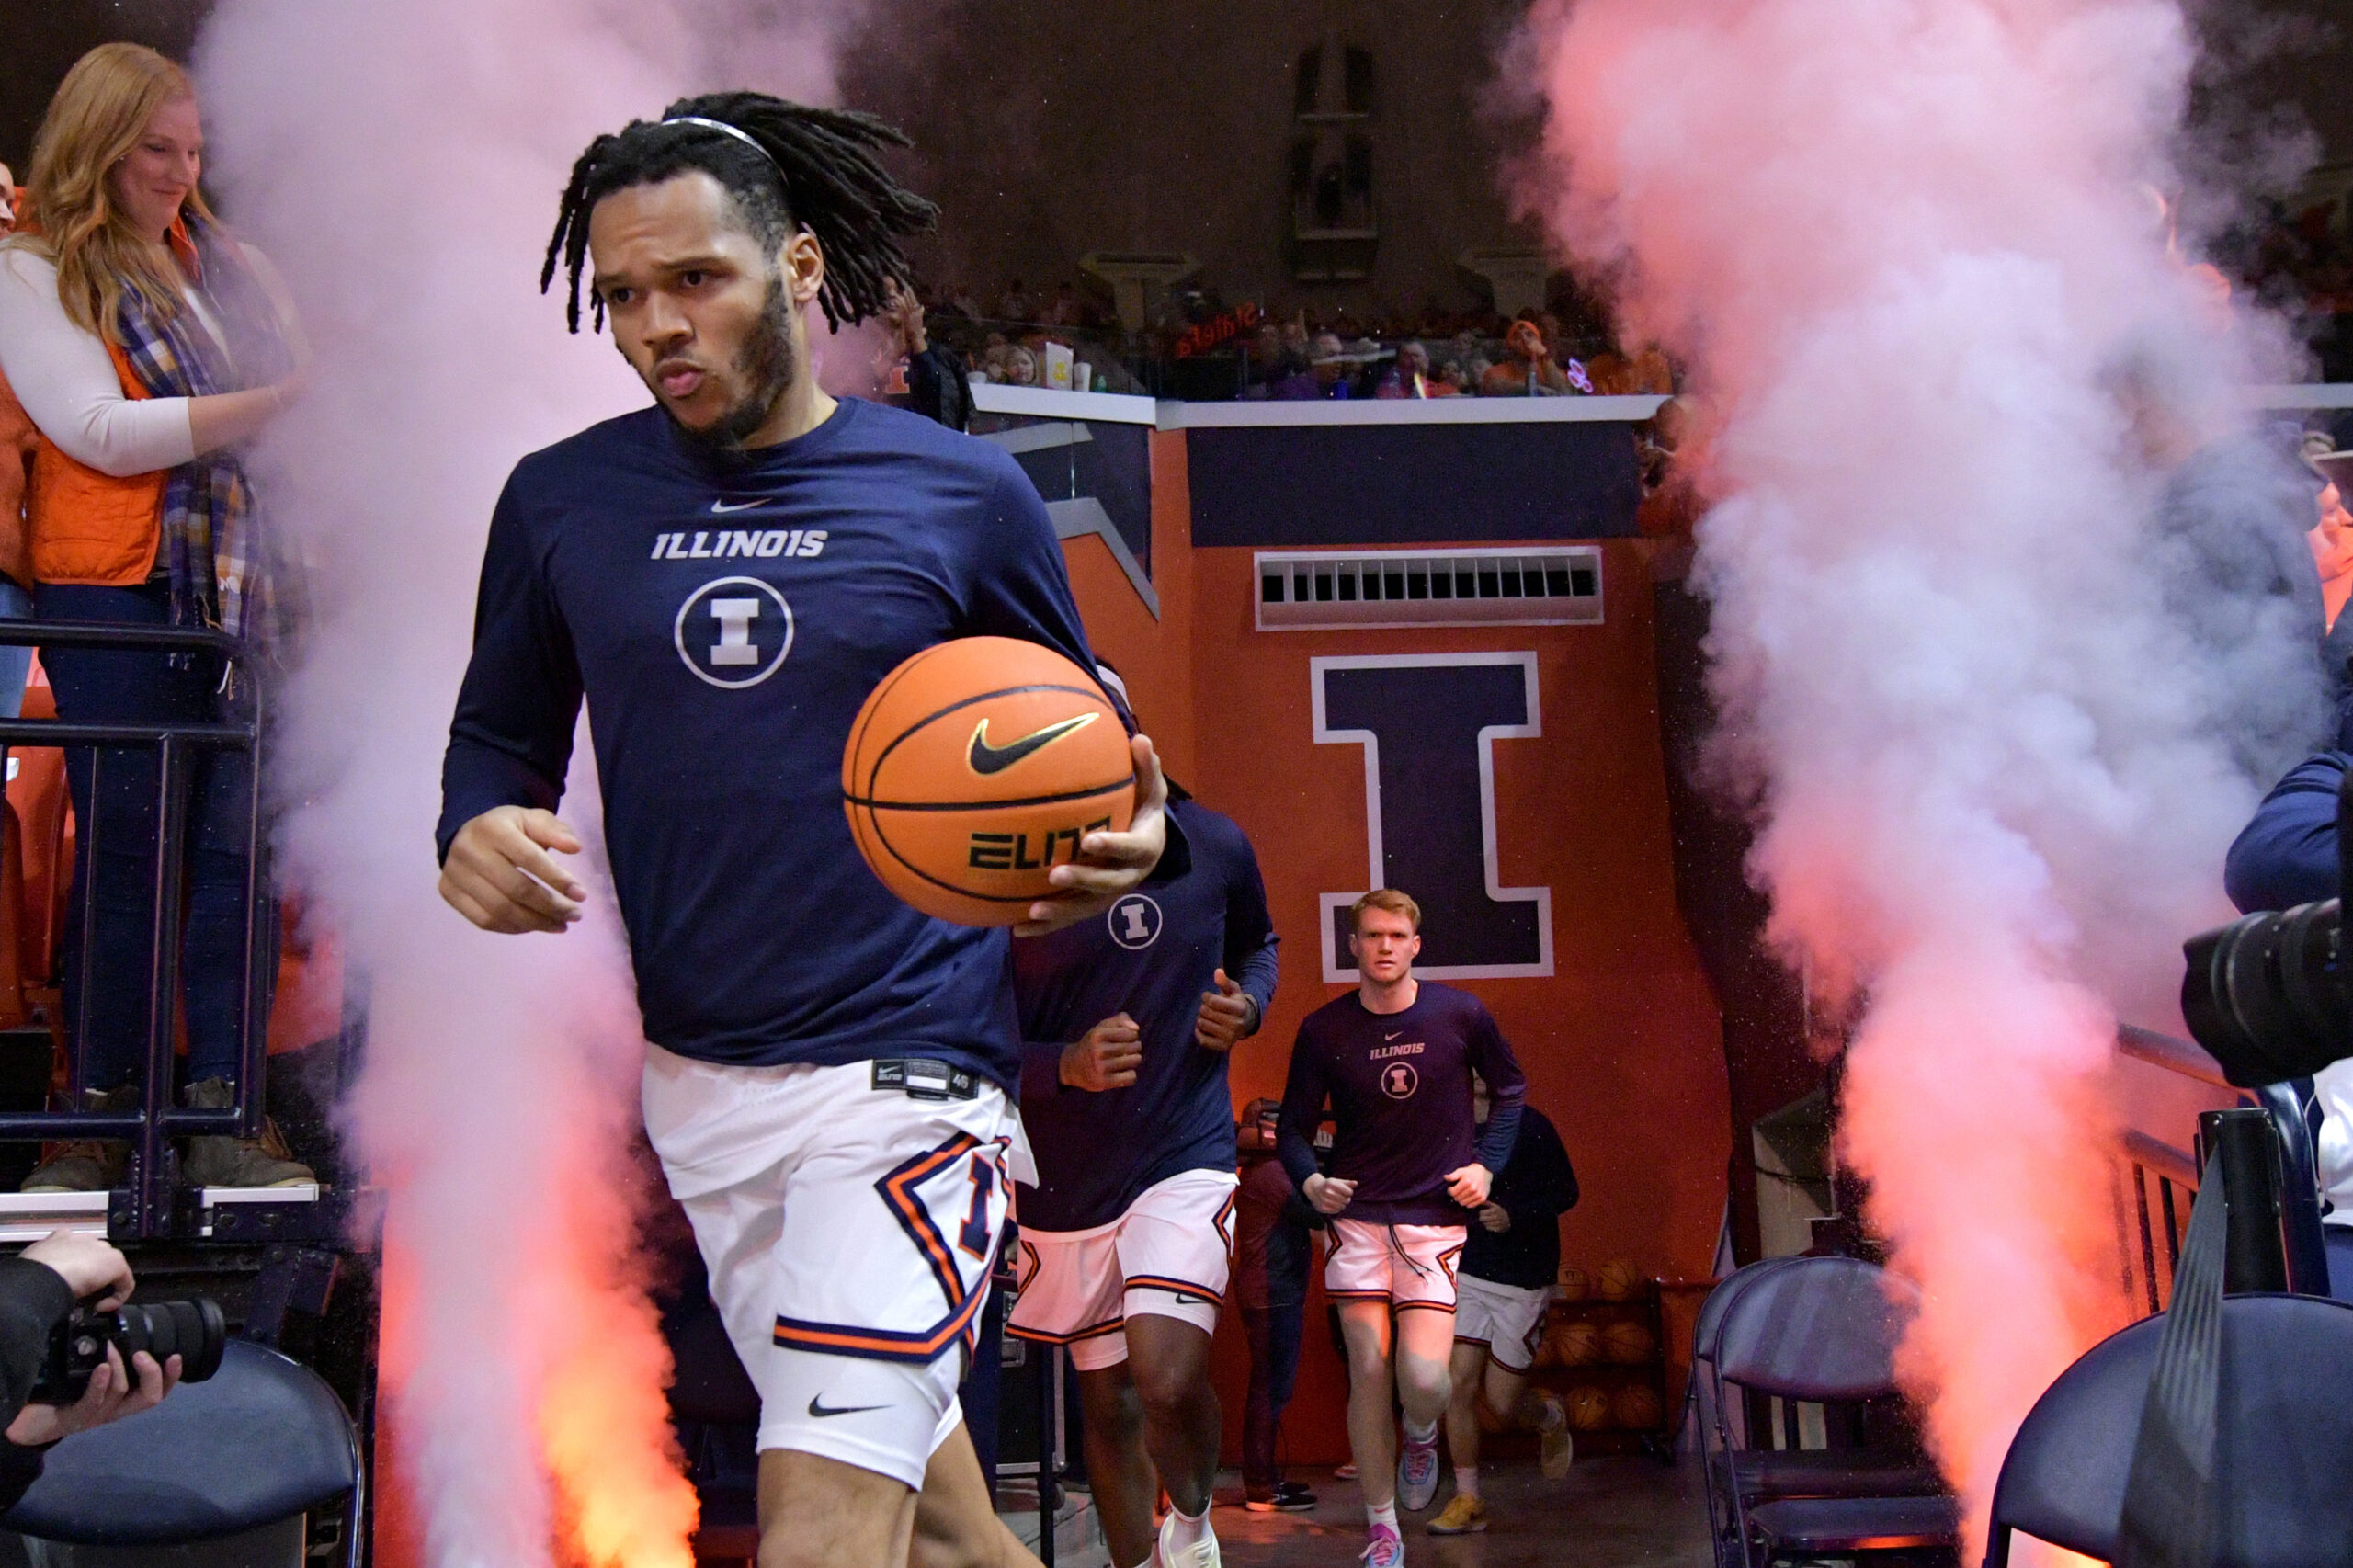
(146, 346)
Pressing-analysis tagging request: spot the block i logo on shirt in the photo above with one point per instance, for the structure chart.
(1134, 920)
(733, 632)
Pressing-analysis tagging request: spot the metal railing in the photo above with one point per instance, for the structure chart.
(2295, 1206)
(145, 1206)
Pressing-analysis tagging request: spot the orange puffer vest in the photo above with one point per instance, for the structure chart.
(82, 525)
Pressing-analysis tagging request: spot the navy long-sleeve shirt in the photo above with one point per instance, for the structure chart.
(1151, 956)
(2286, 854)
(724, 617)
(1398, 1086)
(1536, 1187)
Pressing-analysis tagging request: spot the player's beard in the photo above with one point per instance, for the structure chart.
(766, 365)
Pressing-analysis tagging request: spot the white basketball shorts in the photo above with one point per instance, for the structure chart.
(1507, 1318)
(849, 1216)
(1168, 1256)
(1406, 1266)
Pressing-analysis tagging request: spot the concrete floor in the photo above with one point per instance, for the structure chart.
(1608, 1513)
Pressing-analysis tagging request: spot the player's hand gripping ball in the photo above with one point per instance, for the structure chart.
(975, 769)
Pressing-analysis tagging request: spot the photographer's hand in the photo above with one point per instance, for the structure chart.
(88, 1266)
(110, 1397)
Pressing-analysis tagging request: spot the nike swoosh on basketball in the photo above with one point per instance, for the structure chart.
(822, 1411)
(986, 758)
(738, 506)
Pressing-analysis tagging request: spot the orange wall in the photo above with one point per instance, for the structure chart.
(1621, 1043)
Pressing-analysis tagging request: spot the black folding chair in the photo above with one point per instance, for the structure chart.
(1820, 1331)
(2283, 1441)
(262, 1440)
(1721, 1428)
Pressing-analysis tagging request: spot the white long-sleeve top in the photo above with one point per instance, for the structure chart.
(67, 383)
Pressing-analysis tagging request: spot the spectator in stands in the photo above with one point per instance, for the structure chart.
(937, 387)
(38, 1287)
(1411, 376)
(1528, 368)
(1013, 303)
(1271, 1252)
(148, 345)
(2332, 545)
(1331, 367)
(9, 198)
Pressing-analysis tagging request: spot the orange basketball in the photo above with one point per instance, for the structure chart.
(1627, 1344)
(1636, 1407)
(1577, 1343)
(1618, 1281)
(975, 769)
(1588, 1408)
(1575, 1284)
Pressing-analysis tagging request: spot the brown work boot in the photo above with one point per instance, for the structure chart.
(88, 1164)
(215, 1161)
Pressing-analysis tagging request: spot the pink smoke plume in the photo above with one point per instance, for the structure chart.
(400, 165)
(1907, 250)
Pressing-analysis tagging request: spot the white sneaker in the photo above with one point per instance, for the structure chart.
(1202, 1554)
(1416, 1475)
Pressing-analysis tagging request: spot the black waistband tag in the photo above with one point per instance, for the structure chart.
(921, 1078)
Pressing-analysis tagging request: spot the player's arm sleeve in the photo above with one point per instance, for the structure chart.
(1303, 1091)
(2286, 854)
(1250, 940)
(1507, 1086)
(1042, 1070)
(510, 742)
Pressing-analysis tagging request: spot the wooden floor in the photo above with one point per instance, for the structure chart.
(1608, 1513)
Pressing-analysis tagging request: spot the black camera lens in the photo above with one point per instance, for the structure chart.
(195, 1331)
(2266, 994)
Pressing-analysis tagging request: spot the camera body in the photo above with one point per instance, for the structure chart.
(195, 1330)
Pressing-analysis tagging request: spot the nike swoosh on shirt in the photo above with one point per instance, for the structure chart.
(986, 758)
(822, 1411)
(1392, 1034)
(737, 507)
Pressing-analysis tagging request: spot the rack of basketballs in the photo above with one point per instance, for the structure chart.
(1602, 1354)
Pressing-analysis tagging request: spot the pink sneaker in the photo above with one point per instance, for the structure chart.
(1384, 1548)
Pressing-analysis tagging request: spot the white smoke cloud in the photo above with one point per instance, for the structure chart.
(2002, 702)
(400, 165)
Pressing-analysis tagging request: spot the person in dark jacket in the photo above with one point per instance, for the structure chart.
(1271, 1252)
(38, 1287)
(1501, 1306)
(2286, 854)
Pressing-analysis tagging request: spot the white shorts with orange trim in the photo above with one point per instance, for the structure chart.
(1406, 1266)
(1507, 1318)
(1168, 1255)
(850, 1230)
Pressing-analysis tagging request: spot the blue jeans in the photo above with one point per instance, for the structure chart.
(1273, 1333)
(115, 802)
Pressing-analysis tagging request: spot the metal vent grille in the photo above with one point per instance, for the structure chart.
(1559, 586)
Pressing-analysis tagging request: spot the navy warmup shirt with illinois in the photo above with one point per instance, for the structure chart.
(833, 1066)
(1132, 1211)
(1400, 1090)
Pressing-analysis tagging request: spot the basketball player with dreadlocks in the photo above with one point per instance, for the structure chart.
(723, 577)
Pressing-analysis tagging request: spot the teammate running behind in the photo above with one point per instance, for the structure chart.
(1409, 1166)
(1505, 1293)
(1128, 1021)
